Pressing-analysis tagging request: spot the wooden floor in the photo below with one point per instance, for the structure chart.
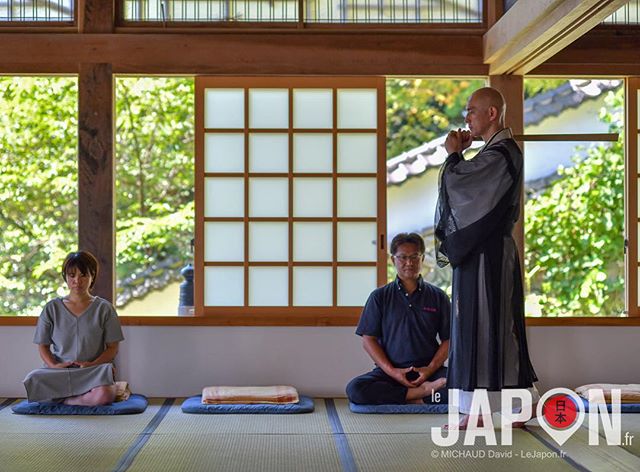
(329, 439)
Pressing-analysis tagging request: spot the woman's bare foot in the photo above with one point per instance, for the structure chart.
(98, 396)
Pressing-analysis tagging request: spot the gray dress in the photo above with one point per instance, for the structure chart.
(73, 338)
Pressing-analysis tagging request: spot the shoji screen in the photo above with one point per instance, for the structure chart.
(290, 197)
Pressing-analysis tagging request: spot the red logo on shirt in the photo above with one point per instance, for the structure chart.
(429, 309)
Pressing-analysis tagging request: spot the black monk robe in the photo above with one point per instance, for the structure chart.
(479, 203)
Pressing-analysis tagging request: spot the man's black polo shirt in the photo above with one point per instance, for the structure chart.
(406, 325)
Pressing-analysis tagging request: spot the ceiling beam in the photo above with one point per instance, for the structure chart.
(267, 53)
(533, 31)
(603, 51)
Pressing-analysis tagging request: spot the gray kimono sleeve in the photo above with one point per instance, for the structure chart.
(44, 327)
(112, 328)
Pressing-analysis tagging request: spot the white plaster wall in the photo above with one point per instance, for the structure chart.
(179, 361)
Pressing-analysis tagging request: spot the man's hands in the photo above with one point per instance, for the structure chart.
(400, 376)
(458, 141)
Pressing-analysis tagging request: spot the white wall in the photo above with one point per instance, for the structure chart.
(179, 361)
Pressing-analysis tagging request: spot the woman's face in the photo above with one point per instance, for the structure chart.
(77, 281)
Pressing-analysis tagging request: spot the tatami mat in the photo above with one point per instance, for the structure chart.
(309, 442)
(68, 443)
(203, 424)
(385, 424)
(630, 433)
(416, 452)
(596, 457)
(631, 424)
(246, 452)
(81, 452)
(40, 424)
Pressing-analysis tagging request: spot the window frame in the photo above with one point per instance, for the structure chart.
(307, 315)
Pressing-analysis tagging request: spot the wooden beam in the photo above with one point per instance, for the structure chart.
(512, 88)
(96, 215)
(96, 16)
(604, 51)
(495, 9)
(532, 32)
(307, 53)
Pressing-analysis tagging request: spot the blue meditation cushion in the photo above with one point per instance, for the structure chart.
(194, 405)
(425, 409)
(135, 404)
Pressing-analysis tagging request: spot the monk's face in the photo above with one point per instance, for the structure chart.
(478, 116)
(408, 261)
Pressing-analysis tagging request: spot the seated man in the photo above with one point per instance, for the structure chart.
(399, 325)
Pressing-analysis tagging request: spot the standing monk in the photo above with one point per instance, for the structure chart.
(479, 203)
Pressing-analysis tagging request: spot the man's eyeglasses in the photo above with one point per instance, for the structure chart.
(411, 258)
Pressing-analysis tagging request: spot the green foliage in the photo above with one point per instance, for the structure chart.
(145, 241)
(38, 187)
(38, 180)
(533, 87)
(154, 145)
(155, 171)
(574, 251)
(419, 110)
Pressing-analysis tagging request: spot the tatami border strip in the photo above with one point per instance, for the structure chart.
(342, 443)
(554, 448)
(6, 403)
(128, 457)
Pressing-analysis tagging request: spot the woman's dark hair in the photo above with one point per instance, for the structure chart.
(404, 238)
(83, 261)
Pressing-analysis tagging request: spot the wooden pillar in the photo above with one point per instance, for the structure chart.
(96, 16)
(96, 215)
(512, 88)
(495, 9)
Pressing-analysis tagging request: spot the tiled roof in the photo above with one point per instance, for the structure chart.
(152, 278)
(551, 103)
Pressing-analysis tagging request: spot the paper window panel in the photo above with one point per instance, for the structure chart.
(224, 108)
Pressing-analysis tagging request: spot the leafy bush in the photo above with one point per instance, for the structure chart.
(575, 243)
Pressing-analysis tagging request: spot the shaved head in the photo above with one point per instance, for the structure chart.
(490, 97)
(485, 112)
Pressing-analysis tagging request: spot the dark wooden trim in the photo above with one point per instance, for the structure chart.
(96, 209)
(381, 233)
(631, 195)
(334, 192)
(198, 255)
(494, 9)
(95, 16)
(294, 53)
(246, 196)
(38, 27)
(605, 50)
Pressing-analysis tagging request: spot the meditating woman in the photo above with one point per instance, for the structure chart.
(77, 337)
